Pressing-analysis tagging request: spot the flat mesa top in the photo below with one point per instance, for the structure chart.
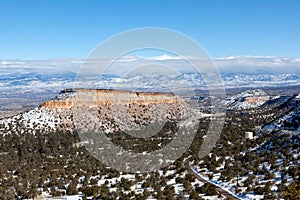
(86, 90)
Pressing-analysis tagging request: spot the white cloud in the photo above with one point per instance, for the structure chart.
(232, 64)
(258, 64)
(164, 57)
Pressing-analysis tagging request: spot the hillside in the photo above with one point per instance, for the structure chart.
(113, 110)
(42, 154)
(262, 167)
(247, 100)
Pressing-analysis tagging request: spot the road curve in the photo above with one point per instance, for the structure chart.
(219, 189)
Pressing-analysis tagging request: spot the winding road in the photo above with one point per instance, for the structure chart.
(219, 189)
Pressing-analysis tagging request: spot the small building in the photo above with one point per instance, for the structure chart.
(249, 135)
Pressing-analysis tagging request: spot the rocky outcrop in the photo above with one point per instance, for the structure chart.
(97, 97)
(247, 100)
(257, 100)
(116, 110)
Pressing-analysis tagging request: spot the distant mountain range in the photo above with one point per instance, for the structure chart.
(37, 81)
(26, 84)
(167, 71)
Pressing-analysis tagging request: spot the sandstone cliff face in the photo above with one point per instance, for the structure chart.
(116, 110)
(94, 98)
(257, 100)
(112, 111)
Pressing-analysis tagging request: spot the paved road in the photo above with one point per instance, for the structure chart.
(220, 190)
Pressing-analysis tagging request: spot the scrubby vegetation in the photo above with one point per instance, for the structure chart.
(33, 162)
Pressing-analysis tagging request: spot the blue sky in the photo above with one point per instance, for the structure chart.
(70, 28)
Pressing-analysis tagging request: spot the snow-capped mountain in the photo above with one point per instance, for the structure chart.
(247, 99)
(43, 76)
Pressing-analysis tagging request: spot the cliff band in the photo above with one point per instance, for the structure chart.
(96, 97)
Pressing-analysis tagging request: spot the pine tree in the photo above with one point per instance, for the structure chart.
(292, 192)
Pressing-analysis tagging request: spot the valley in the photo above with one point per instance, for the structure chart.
(42, 154)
